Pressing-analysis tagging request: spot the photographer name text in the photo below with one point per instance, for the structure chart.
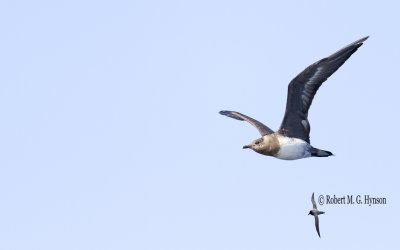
(351, 199)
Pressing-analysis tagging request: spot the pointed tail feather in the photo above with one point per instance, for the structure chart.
(320, 153)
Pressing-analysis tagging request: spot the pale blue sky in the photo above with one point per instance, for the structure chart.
(110, 136)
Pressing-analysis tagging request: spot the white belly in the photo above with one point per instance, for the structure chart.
(292, 148)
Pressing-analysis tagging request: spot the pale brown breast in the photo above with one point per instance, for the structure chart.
(272, 145)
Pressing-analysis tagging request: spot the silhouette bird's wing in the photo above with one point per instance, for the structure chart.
(264, 130)
(317, 224)
(314, 205)
(302, 88)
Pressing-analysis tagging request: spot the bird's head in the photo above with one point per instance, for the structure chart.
(257, 145)
(310, 213)
(266, 145)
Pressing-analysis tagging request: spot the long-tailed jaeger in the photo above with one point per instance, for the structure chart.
(315, 212)
(292, 140)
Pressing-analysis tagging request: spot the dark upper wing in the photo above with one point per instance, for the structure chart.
(317, 224)
(264, 130)
(303, 87)
(314, 205)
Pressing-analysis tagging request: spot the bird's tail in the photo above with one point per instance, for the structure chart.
(320, 153)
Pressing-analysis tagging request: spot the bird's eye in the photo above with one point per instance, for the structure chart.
(257, 142)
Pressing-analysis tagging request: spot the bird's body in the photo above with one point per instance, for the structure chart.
(316, 212)
(292, 148)
(292, 140)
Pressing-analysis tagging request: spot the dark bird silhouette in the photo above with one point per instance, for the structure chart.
(315, 212)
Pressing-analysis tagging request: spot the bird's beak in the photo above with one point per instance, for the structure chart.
(246, 146)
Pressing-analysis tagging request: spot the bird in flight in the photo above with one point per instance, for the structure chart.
(292, 140)
(315, 212)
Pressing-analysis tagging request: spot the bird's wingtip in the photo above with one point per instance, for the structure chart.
(361, 40)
